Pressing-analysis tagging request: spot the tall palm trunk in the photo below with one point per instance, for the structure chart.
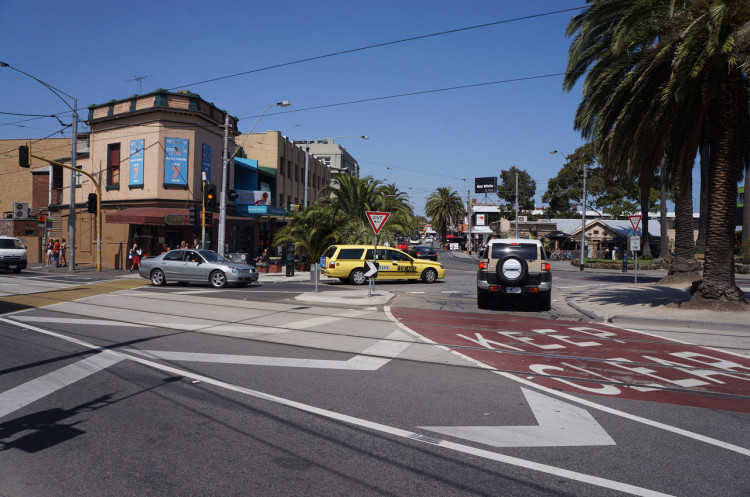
(684, 267)
(725, 159)
(645, 198)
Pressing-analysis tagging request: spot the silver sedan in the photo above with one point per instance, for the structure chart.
(196, 266)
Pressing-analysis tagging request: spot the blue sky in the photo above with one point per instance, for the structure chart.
(93, 50)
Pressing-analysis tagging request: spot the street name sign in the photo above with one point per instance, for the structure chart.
(377, 220)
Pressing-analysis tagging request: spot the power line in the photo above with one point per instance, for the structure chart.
(379, 45)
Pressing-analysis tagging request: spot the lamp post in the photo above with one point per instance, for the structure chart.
(225, 173)
(583, 214)
(73, 154)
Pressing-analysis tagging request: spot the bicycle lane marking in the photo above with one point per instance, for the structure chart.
(442, 335)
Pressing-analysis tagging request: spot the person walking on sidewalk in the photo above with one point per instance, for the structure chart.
(135, 255)
(49, 246)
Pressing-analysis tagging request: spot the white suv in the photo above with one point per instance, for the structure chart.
(12, 254)
(510, 267)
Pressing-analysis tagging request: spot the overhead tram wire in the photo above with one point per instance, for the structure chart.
(379, 45)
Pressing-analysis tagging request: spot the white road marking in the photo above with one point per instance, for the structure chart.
(391, 430)
(560, 425)
(37, 319)
(31, 391)
(572, 398)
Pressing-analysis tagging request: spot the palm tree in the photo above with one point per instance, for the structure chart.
(445, 207)
(312, 231)
(662, 77)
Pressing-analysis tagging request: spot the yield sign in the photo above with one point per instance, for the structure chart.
(377, 220)
(635, 221)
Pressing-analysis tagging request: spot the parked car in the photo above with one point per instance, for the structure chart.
(429, 239)
(423, 252)
(347, 263)
(12, 254)
(510, 267)
(196, 266)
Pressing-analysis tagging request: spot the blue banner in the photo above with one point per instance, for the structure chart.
(136, 162)
(176, 162)
(207, 161)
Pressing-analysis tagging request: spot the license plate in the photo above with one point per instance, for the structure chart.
(12, 267)
(513, 289)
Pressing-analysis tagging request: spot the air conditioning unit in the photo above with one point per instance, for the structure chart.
(522, 219)
(20, 210)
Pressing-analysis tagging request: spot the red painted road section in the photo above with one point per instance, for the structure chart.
(588, 358)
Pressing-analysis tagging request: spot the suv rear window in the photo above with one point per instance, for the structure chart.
(10, 243)
(528, 251)
(351, 253)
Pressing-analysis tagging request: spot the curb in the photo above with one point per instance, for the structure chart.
(675, 323)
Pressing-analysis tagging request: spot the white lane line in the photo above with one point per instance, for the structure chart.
(572, 398)
(31, 391)
(391, 430)
(37, 319)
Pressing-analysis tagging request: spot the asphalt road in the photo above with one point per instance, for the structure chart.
(196, 391)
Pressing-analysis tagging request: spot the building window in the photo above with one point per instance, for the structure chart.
(296, 172)
(289, 169)
(325, 160)
(281, 167)
(113, 164)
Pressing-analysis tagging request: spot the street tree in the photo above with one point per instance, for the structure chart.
(663, 77)
(445, 207)
(506, 191)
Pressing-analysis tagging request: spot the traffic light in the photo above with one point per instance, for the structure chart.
(231, 195)
(211, 196)
(195, 215)
(209, 218)
(23, 156)
(91, 204)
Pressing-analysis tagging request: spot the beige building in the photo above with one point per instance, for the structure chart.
(272, 150)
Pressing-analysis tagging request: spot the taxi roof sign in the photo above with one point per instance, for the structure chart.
(377, 220)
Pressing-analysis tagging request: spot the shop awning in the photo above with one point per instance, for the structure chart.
(154, 216)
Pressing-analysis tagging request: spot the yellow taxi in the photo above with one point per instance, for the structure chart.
(347, 263)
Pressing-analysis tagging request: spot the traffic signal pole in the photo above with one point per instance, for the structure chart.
(98, 205)
(203, 212)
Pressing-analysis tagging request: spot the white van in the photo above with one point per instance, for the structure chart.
(12, 254)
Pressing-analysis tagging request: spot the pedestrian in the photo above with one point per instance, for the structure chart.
(196, 244)
(56, 252)
(63, 251)
(50, 244)
(135, 254)
(263, 257)
(183, 244)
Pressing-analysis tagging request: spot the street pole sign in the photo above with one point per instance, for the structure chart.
(372, 269)
(635, 221)
(377, 220)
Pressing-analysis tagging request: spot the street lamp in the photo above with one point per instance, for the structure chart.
(73, 154)
(225, 172)
(583, 214)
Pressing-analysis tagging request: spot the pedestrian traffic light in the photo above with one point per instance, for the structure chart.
(231, 195)
(91, 204)
(211, 196)
(195, 215)
(23, 156)
(209, 218)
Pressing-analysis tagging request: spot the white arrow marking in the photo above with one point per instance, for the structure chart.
(372, 269)
(560, 424)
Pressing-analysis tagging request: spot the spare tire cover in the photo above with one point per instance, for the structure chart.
(512, 270)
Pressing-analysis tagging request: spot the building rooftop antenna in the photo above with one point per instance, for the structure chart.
(140, 80)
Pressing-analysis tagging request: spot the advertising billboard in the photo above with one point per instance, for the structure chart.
(485, 185)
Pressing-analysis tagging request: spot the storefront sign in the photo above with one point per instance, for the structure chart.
(176, 161)
(253, 197)
(176, 220)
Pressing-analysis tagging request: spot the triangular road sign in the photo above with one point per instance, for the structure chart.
(377, 220)
(635, 221)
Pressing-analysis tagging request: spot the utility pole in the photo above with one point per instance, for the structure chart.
(307, 164)
(223, 196)
(516, 205)
(468, 221)
(72, 207)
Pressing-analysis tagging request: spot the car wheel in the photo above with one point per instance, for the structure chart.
(483, 299)
(157, 277)
(218, 279)
(429, 275)
(544, 300)
(357, 277)
(512, 270)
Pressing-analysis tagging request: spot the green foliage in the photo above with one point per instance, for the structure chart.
(506, 191)
(445, 207)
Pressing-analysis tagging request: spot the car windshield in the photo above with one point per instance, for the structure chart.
(10, 243)
(212, 256)
(528, 251)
